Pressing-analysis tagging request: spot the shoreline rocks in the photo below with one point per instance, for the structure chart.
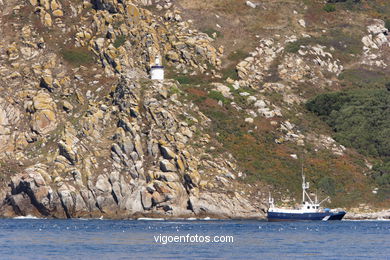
(378, 215)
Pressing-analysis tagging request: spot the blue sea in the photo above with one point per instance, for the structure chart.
(155, 239)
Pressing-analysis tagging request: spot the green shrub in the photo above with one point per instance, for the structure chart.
(174, 90)
(382, 173)
(387, 24)
(218, 96)
(346, 4)
(229, 72)
(183, 79)
(119, 41)
(351, 4)
(363, 78)
(77, 56)
(343, 40)
(293, 47)
(117, 23)
(328, 185)
(329, 8)
(387, 85)
(359, 118)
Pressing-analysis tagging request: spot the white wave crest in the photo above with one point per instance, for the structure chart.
(26, 217)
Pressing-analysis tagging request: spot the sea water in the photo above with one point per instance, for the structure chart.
(150, 239)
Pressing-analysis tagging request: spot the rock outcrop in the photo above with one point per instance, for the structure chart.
(152, 170)
(375, 43)
(379, 215)
(85, 133)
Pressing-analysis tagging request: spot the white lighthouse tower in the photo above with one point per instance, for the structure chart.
(157, 70)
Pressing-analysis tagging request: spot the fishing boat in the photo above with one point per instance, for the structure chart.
(309, 209)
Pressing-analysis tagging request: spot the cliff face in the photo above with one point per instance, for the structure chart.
(130, 157)
(85, 133)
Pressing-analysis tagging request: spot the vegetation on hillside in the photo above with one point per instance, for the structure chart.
(339, 26)
(260, 158)
(360, 119)
(363, 78)
(329, 8)
(77, 56)
(119, 41)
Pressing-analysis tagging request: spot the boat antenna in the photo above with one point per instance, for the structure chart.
(305, 185)
(303, 179)
(270, 201)
(302, 173)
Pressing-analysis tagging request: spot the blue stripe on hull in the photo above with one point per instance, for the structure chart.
(280, 216)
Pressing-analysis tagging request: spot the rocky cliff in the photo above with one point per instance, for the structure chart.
(85, 133)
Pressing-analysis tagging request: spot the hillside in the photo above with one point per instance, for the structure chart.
(250, 94)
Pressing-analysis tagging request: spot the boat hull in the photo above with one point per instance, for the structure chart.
(282, 216)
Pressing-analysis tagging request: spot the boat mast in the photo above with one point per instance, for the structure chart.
(303, 181)
(270, 201)
(305, 186)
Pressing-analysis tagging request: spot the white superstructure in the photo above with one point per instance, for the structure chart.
(307, 206)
